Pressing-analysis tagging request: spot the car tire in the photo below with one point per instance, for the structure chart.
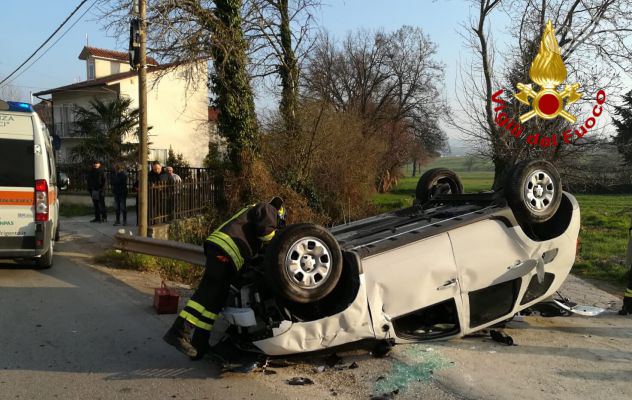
(534, 191)
(46, 260)
(303, 263)
(57, 233)
(437, 181)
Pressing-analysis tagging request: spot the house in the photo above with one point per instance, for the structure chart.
(177, 113)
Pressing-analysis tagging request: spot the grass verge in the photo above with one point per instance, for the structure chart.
(603, 235)
(168, 269)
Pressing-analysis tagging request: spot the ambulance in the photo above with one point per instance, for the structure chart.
(29, 205)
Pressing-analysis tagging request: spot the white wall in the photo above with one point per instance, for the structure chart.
(177, 115)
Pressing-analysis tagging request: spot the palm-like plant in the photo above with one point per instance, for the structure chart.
(111, 131)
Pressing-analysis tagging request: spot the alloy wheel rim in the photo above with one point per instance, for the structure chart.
(539, 191)
(308, 262)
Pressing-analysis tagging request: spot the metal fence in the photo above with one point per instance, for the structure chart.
(78, 175)
(192, 197)
(198, 191)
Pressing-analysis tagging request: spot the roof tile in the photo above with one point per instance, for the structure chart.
(112, 54)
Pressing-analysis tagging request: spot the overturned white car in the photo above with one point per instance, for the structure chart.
(450, 265)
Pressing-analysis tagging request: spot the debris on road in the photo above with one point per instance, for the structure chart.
(386, 396)
(501, 337)
(299, 381)
(332, 360)
(278, 363)
(415, 365)
(382, 348)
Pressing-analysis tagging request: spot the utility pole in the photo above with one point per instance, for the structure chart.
(142, 104)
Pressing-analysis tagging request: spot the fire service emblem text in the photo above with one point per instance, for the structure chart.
(548, 72)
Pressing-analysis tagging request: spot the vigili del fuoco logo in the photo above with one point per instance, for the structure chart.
(549, 73)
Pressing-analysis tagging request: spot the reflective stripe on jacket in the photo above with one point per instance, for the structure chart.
(241, 237)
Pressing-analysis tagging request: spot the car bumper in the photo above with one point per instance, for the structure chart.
(350, 325)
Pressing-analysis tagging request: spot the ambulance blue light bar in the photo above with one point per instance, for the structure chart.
(15, 106)
(20, 107)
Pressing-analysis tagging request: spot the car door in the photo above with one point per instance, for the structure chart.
(490, 263)
(411, 279)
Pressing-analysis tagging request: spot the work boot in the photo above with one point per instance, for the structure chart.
(627, 306)
(178, 337)
(200, 343)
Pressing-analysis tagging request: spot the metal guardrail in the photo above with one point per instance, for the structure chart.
(160, 248)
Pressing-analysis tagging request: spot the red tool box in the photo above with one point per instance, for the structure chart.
(166, 300)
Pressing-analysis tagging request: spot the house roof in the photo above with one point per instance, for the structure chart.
(110, 54)
(103, 81)
(213, 114)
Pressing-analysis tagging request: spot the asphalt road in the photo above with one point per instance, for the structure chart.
(83, 331)
(73, 332)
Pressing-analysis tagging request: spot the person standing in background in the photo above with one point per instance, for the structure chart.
(96, 188)
(119, 189)
(157, 175)
(173, 178)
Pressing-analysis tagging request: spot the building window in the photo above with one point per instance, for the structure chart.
(91, 69)
(159, 155)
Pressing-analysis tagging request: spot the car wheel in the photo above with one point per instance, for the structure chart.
(437, 181)
(303, 263)
(534, 191)
(57, 233)
(46, 260)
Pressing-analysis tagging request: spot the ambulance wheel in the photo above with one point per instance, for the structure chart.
(46, 260)
(303, 263)
(534, 191)
(435, 182)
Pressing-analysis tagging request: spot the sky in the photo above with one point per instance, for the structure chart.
(25, 25)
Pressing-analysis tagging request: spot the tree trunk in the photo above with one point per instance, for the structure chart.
(231, 83)
(414, 168)
(288, 71)
(501, 167)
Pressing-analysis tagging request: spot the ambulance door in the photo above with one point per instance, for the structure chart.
(17, 180)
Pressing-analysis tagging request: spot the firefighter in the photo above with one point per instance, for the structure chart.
(237, 242)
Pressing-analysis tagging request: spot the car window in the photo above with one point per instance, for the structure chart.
(17, 163)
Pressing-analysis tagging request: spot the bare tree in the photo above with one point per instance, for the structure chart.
(384, 77)
(11, 92)
(392, 82)
(280, 36)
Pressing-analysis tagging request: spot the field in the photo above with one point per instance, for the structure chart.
(605, 218)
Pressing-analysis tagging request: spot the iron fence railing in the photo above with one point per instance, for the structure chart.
(78, 175)
(171, 202)
(198, 190)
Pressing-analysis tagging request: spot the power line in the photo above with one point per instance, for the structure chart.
(54, 43)
(46, 41)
